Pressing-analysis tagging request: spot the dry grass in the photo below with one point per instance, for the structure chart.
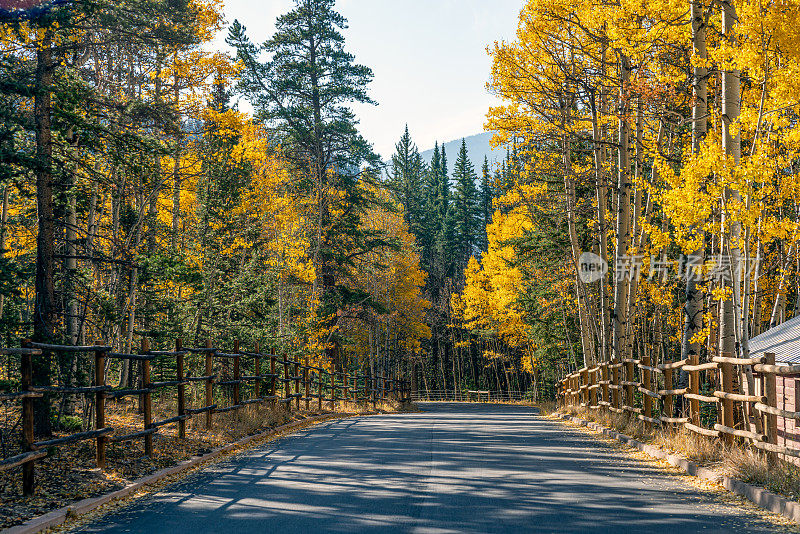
(547, 407)
(704, 451)
(751, 466)
(738, 460)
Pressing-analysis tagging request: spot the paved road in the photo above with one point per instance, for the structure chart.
(453, 468)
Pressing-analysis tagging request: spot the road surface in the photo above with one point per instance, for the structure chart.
(453, 468)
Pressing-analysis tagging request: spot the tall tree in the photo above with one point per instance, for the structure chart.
(464, 208)
(485, 197)
(407, 182)
(303, 91)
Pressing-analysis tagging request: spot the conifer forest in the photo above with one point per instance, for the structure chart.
(141, 199)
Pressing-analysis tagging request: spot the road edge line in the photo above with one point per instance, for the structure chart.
(71, 511)
(761, 497)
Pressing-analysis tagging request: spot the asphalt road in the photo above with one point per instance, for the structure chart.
(453, 468)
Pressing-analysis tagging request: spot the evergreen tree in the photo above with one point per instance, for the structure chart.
(486, 195)
(430, 213)
(465, 210)
(444, 183)
(304, 91)
(440, 190)
(408, 170)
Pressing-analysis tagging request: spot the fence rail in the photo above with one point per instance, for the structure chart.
(288, 383)
(468, 395)
(724, 398)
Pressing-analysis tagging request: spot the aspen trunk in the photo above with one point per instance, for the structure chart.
(633, 281)
(731, 145)
(602, 196)
(569, 193)
(693, 307)
(730, 310)
(619, 319)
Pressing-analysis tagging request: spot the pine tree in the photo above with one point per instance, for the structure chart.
(304, 91)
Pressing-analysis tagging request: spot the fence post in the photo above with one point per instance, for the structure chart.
(26, 376)
(592, 389)
(319, 389)
(148, 399)
(647, 383)
(615, 393)
(306, 384)
(257, 369)
(694, 388)
(630, 374)
(181, 388)
(346, 386)
(236, 374)
(604, 382)
(334, 395)
(287, 384)
(726, 383)
(209, 382)
(273, 372)
(373, 385)
(100, 405)
(669, 400)
(297, 381)
(771, 392)
(573, 386)
(568, 390)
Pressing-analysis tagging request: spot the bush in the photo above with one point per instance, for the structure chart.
(69, 423)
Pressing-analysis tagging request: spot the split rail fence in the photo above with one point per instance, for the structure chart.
(726, 398)
(469, 395)
(276, 380)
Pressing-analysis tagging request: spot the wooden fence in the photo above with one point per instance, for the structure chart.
(276, 381)
(469, 395)
(726, 398)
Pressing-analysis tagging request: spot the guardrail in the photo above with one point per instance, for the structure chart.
(714, 390)
(288, 383)
(468, 395)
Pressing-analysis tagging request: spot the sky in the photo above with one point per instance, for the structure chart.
(428, 57)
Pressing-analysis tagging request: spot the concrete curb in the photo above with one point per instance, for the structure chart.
(56, 517)
(759, 496)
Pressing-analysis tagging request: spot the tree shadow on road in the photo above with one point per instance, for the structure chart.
(452, 468)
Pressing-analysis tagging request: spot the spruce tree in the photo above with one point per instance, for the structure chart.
(407, 182)
(486, 195)
(442, 182)
(465, 211)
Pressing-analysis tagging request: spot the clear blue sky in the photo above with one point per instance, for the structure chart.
(428, 57)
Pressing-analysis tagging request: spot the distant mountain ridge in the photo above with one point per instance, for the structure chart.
(477, 148)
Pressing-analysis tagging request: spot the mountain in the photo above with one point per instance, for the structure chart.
(477, 147)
